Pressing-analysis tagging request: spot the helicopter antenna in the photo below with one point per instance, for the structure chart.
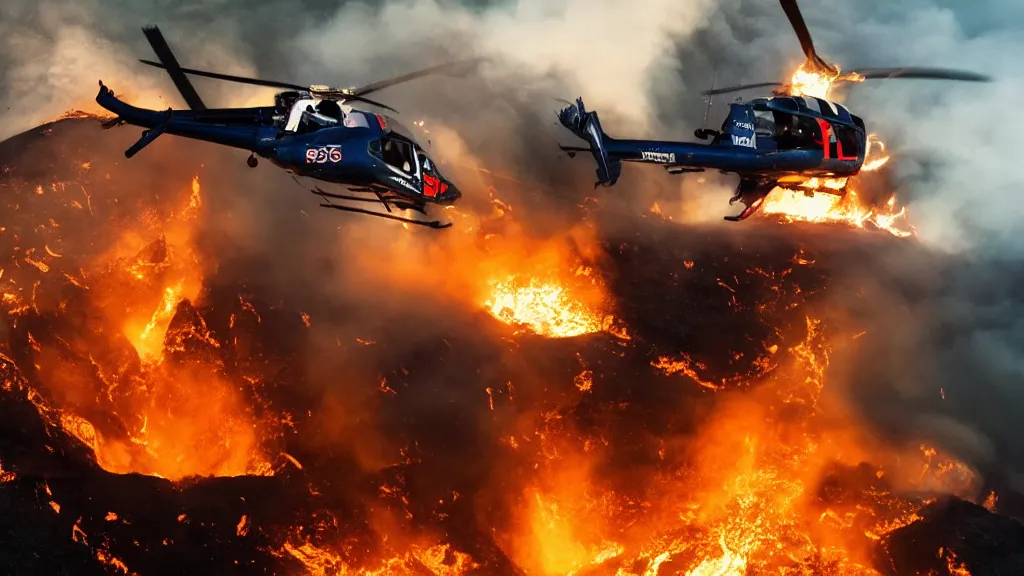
(711, 97)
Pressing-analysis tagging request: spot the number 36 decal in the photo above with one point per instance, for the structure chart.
(323, 155)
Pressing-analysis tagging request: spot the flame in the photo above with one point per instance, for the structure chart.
(743, 498)
(953, 566)
(872, 163)
(809, 80)
(543, 307)
(174, 419)
(795, 205)
(740, 494)
(149, 342)
(834, 200)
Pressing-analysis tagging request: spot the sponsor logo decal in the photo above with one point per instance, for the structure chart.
(323, 155)
(746, 141)
(663, 157)
(744, 125)
(404, 182)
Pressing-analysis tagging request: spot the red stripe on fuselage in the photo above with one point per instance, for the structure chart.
(826, 136)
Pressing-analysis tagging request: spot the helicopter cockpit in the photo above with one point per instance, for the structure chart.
(802, 123)
(406, 159)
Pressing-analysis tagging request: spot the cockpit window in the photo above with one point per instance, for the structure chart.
(796, 132)
(399, 154)
(764, 123)
(849, 139)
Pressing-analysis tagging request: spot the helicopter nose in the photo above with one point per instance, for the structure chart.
(451, 195)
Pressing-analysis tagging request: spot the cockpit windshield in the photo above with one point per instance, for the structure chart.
(426, 165)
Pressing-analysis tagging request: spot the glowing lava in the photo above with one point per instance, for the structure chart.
(152, 416)
(545, 308)
(149, 342)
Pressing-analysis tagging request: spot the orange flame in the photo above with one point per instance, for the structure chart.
(178, 419)
(817, 83)
(543, 307)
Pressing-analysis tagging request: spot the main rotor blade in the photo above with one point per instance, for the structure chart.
(174, 70)
(230, 78)
(796, 20)
(449, 66)
(274, 84)
(928, 73)
(343, 96)
(739, 88)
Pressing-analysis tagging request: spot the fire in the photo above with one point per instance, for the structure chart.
(632, 457)
(543, 307)
(808, 81)
(796, 205)
(436, 559)
(174, 419)
(836, 201)
(744, 497)
(149, 342)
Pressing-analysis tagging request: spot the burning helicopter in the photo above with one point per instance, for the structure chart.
(789, 138)
(309, 131)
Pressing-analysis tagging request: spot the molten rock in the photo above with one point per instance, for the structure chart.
(168, 407)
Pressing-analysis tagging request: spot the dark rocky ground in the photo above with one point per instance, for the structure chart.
(439, 413)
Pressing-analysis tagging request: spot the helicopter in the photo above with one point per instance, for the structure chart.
(786, 139)
(309, 131)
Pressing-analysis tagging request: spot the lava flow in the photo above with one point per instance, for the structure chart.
(487, 413)
(135, 410)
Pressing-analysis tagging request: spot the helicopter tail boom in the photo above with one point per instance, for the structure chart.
(179, 123)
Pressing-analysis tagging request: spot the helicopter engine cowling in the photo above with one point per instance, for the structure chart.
(285, 100)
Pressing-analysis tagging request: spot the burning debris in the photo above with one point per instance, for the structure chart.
(161, 412)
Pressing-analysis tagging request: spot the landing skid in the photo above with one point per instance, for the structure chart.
(401, 204)
(751, 193)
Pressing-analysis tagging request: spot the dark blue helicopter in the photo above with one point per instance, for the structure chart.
(767, 141)
(309, 131)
